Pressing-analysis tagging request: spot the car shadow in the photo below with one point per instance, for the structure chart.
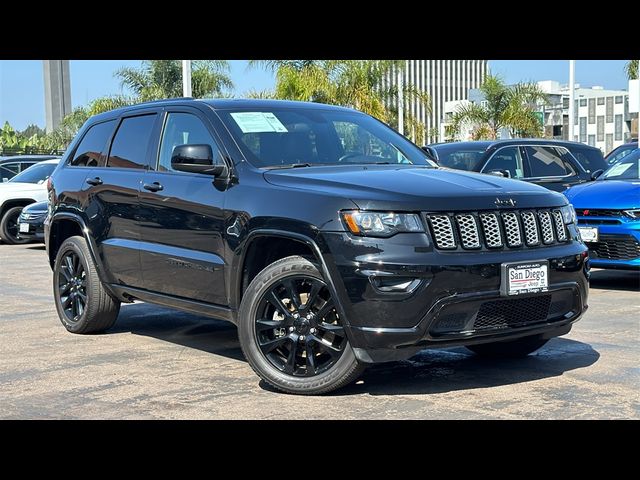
(431, 371)
(628, 280)
(37, 247)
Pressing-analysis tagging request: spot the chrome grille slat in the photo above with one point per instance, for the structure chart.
(545, 227)
(530, 229)
(494, 230)
(561, 234)
(468, 228)
(512, 229)
(443, 231)
(491, 230)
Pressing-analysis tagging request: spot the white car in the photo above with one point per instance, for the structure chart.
(25, 188)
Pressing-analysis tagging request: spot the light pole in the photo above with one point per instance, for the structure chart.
(572, 91)
(186, 78)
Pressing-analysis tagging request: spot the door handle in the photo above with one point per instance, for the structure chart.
(94, 181)
(153, 187)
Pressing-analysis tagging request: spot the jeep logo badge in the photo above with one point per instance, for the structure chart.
(509, 202)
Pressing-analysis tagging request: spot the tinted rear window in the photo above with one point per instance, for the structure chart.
(130, 145)
(590, 159)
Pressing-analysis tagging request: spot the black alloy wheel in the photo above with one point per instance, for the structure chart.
(298, 329)
(9, 227)
(72, 286)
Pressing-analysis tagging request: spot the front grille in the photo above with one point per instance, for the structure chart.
(615, 247)
(512, 313)
(32, 216)
(496, 230)
(588, 212)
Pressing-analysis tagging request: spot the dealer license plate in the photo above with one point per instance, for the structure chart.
(519, 278)
(24, 228)
(589, 234)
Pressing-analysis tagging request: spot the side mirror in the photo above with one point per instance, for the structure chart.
(429, 153)
(4, 179)
(500, 173)
(596, 174)
(196, 159)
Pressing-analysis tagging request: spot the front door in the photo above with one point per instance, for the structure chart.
(182, 218)
(114, 207)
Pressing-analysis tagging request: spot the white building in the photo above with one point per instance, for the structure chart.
(443, 81)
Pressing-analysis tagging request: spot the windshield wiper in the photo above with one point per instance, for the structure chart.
(289, 165)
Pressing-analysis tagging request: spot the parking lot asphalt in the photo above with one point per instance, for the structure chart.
(157, 363)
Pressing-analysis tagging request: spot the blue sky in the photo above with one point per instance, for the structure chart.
(22, 88)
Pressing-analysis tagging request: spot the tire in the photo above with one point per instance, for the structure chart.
(9, 227)
(78, 279)
(301, 364)
(512, 349)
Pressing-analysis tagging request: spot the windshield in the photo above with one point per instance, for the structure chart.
(626, 169)
(284, 137)
(459, 156)
(36, 174)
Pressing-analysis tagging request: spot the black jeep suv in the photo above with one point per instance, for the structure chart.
(328, 238)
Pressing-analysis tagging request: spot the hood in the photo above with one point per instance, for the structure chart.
(15, 189)
(605, 194)
(414, 188)
(38, 207)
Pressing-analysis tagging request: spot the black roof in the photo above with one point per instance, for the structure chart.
(224, 104)
(487, 144)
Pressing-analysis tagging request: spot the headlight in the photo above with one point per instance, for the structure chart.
(381, 224)
(568, 214)
(635, 213)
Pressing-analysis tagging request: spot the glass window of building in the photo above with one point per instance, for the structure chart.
(618, 98)
(608, 143)
(583, 129)
(600, 100)
(618, 128)
(591, 140)
(609, 110)
(583, 102)
(600, 128)
(592, 111)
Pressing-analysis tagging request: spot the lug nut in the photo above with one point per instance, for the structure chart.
(312, 330)
(291, 329)
(302, 338)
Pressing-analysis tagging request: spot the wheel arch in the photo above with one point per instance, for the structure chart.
(15, 202)
(304, 243)
(64, 225)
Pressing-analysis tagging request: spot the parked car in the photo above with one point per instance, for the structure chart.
(24, 189)
(31, 221)
(608, 213)
(553, 164)
(11, 166)
(618, 153)
(328, 238)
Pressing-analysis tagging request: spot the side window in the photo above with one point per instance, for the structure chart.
(90, 152)
(25, 165)
(508, 158)
(131, 143)
(184, 129)
(545, 162)
(9, 170)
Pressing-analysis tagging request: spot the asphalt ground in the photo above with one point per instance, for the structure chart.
(157, 363)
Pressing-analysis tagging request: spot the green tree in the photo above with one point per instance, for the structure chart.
(631, 69)
(158, 79)
(357, 84)
(504, 106)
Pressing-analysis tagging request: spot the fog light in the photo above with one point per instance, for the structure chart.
(393, 284)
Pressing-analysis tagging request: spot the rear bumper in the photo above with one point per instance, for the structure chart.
(451, 298)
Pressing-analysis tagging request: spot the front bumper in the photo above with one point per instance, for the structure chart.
(619, 243)
(448, 294)
(36, 228)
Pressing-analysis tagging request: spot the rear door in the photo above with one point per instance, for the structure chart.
(182, 217)
(114, 189)
(548, 168)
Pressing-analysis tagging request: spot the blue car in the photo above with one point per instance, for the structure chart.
(608, 211)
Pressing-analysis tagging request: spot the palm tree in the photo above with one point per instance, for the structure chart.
(631, 69)
(157, 79)
(353, 83)
(504, 106)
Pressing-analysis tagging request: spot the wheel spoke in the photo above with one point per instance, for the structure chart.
(265, 324)
(271, 345)
(313, 294)
(292, 291)
(290, 366)
(74, 308)
(79, 305)
(330, 349)
(82, 297)
(66, 301)
(329, 327)
(65, 273)
(68, 263)
(311, 361)
(64, 288)
(274, 300)
(325, 309)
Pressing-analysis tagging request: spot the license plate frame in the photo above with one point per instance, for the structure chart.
(589, 234)
(521, 286)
